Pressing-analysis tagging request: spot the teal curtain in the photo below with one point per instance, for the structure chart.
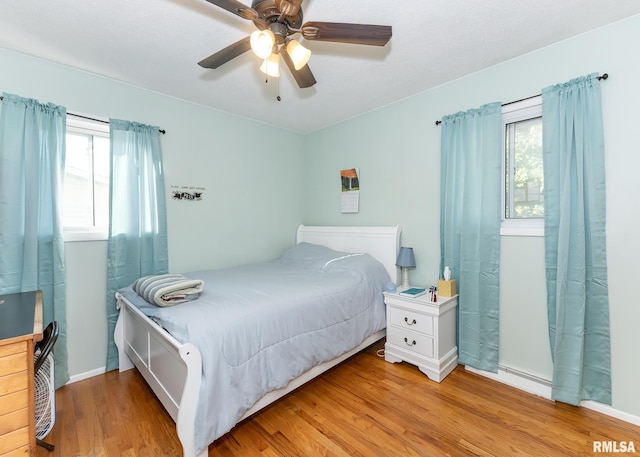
(32, 154)
(575, 241)
(137, 243)
(470, 202)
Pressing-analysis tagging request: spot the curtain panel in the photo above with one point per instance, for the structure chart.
(470, 227)
(575, 241)
(137, 243)
(32, 156)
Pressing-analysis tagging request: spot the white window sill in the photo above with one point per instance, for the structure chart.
(72, 235)
(523, 227)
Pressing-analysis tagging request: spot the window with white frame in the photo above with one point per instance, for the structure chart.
(86, 180)
(523, 179)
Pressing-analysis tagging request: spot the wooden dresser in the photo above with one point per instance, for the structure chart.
(20, 327)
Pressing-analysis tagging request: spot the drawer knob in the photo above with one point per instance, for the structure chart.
(413, 343)
(413, 322)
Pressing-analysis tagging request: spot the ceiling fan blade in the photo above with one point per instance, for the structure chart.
(225, 55)
(238, 8)
(374, 35)
(303, 77)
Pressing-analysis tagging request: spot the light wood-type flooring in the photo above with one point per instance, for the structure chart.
(364, 407)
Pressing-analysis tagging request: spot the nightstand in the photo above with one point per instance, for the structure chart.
(422, 333)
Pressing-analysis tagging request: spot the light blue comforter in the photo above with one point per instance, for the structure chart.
(259, 326)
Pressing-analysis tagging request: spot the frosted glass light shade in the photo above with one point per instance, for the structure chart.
(271, 66)
(298, 53)
(262, 43)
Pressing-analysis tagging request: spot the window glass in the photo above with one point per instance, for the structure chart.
(523, 178)
(86, 181)
(78, 182)
(523, 159)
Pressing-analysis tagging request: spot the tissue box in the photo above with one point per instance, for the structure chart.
(446, 288)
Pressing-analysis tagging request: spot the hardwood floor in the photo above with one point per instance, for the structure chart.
(363, 407)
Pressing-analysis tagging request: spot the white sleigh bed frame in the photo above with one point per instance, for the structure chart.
(173, 370)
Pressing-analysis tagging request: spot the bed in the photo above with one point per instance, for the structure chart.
(209, 383)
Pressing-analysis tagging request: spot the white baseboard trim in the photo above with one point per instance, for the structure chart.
(519, 382)
(87, 375)
(610, 411)
(542, 388)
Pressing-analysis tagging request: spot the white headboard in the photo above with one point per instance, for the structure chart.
(382, 243)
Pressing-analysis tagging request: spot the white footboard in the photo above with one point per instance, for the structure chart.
(172, 370)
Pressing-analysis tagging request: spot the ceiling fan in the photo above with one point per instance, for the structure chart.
(276, 21)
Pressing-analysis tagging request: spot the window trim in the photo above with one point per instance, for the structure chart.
(97, 128)
(522, 227)
(74, 234)
(528, 108)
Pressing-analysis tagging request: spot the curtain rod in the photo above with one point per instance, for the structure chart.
(604, 76)
(92, 118)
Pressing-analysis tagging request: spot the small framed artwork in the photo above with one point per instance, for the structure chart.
(350, 194)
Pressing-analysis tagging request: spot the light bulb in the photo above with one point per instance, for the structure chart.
(262, 43)
(271, 66)
(298, 53)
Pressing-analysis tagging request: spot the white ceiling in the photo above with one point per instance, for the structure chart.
(156, 44)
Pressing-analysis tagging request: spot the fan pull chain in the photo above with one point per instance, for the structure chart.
(278, 96)
(266, 81)
(266, 76)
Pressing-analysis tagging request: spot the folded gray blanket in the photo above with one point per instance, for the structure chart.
(168, 289)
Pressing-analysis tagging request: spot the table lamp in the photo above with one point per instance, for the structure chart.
(405, 261)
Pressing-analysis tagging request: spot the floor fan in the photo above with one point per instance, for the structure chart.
(45, 398)
(44, 384)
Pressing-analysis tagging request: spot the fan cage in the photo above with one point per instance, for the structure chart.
(45, 398)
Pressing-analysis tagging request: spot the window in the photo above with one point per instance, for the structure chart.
(86, 181)
(523, 179)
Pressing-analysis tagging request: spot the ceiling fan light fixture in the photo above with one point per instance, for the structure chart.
(262, 42)
(298, 53)
(276, 20)
(271, 66)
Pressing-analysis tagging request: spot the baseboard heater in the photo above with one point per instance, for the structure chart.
(525, 375)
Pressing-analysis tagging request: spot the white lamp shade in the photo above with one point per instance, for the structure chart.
(271, 66)
(262, 43)
(298, 53)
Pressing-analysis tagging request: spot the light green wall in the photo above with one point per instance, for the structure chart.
(86, 286)
(256, 193)
(251, 174)
(397, 150)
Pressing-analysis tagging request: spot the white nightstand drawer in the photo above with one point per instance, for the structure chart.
(416, 342)
(410, 320)
(422, 332)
